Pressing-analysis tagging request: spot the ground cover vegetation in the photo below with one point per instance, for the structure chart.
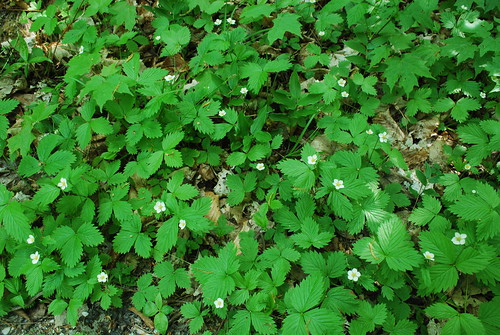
(265, 167)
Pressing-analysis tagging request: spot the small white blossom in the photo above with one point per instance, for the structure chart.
(218, 22)
(169, 78)
(260, 166)
(464, 7)
(244, 90)
(342, 82)
(312, 159)
(158, 38)
(182, 223)
(63, 183)
(31, 239)
(35, 257)
(219, 303)
(383, 137)
(353, 274)
(459, 239)
(474, 191)
(81, 50)
(467, 166)
(338, 184)
(102, 277)
(160, 207)
(369, 132)
(231, 21)
(321, 33)
(222, 113)
(482, 95)
(344, 94)
(429, 255)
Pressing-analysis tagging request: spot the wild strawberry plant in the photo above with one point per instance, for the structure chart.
(301, 113)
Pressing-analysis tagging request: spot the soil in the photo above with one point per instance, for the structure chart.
(93, 320)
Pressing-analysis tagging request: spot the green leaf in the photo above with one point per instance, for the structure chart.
(356, 13)
(89, 235)
(58, 161)
(368, 317)
(29, 166)
(175, 38)
(323, 321)
(314, 263)
(166, 236)
(310, 235)
(8, 105)
(341, 300)
(57, 306)
(431, 209)
(489, 316)
(302, 176)
(460, 111)
(441, 311)
(472, 261)
(439, 244)
(123, 13)
(34, 280)
(101, 126)
(442, 277)
(15, 222)
(405, 70)
(161, 323)
(236, 158)
(307, 294)
(284, 22)
(263, 323)
(69, 244)
(392, 245)
(294, 324)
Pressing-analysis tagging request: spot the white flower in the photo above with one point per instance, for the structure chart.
(383, 137)
(312, 159)
(35, 257)
(222, 113)
(102, 277)
(464, 7)
(219, 303)
(321, 33)
(473, 191)
(63, 183)
(369, 132)
(429, 255)
(344, 94)
(459, 239)
(244, 90)
(260, 166)
(341, 82)
(169, 77)
(160, 207)
(182, 223)
(482, 95)
(158, 38)
(218, 22)
(338, 184)
(353, 274)
(231, 21)
(467, 166)
(81, 50)
(31, 239)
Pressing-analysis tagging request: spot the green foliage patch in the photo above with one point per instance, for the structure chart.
(250, 165)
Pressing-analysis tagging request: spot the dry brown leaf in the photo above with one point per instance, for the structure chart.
(214, 213)
(236, 240)
(149, 323)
